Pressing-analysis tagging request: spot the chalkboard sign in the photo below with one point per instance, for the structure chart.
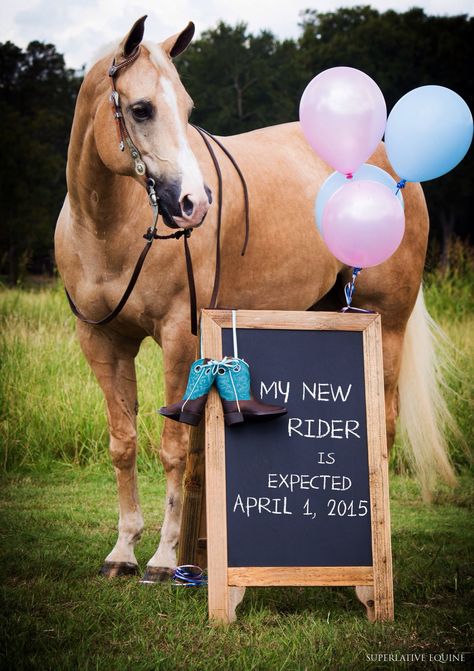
(303, 499)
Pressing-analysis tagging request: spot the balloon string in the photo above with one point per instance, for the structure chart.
(349, 175)
(348, 292)
(350, 287)
(400, 185)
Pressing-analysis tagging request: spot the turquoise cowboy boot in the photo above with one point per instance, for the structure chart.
(233, 385)
(191, 408)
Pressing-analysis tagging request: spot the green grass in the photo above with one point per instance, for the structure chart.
(59, 513)
(51, 406)
(449, 293)
(56, 527)
(450, 300)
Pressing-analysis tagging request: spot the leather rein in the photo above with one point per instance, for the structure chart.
(125, 140)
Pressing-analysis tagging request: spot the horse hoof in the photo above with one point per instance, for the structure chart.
(157, 574)
(114, 569)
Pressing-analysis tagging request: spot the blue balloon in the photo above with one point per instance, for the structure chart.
(336, 180)
(428, 133)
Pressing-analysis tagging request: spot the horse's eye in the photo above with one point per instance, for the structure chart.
(142, 112)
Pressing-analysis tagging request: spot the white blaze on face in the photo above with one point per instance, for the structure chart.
(192, 180)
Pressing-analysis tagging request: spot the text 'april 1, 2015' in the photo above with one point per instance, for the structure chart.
(290, 482)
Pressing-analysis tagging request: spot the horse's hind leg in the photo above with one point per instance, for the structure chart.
(111, 357)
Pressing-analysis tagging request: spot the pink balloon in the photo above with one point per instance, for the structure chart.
(363, 223)
(343, 116)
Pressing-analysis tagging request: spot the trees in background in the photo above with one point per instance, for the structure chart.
(37, 95)
(239, 81)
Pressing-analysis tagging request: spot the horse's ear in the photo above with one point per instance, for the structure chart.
(131, 41)
(176, 44)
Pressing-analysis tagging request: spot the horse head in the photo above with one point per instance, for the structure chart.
(155, 108)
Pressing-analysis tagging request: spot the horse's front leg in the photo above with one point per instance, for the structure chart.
(178, 355)
(111, 357)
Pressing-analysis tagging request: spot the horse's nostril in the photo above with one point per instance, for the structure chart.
(187, 206)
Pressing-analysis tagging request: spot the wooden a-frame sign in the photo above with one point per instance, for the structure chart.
(302, 500)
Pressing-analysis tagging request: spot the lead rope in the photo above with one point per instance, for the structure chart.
(203, 133)
(242, 180)
(149, 236)
(217, 274)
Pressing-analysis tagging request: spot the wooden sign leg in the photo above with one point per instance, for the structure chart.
(201, 555)
(223, 602)
(378, 474)
(193, 498)
(382, 547)
(223, 599)
(193, 539)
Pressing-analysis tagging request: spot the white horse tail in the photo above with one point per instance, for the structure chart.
(424, 416)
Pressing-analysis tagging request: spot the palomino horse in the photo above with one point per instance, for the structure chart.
(287, 266)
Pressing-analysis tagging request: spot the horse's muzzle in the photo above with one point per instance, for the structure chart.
(167, 217)
(178, 222)
(187, 224)
(186, 212)
(193, 208)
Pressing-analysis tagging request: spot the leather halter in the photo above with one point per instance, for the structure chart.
(124, 135)
(151, 234)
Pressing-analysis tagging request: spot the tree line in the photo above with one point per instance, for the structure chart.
(239, 81)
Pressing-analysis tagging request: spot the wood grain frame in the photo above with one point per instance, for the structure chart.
(224, 582)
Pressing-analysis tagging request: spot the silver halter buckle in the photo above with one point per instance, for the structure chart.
(152, 195)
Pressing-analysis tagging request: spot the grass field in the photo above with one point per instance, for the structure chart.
(58, 519)
(57, 614)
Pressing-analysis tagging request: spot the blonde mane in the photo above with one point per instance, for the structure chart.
(102, 52)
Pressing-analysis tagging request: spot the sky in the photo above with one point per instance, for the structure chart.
(78, 28)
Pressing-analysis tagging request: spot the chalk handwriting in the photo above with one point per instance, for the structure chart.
(324, 391)
(276, 387)
(326, 458)
(294, 481)
(261, 504)
(336, 428)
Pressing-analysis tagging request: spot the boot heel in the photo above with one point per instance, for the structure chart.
(233, 418)
(190, 418)
(191, 407)
(233, 385)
